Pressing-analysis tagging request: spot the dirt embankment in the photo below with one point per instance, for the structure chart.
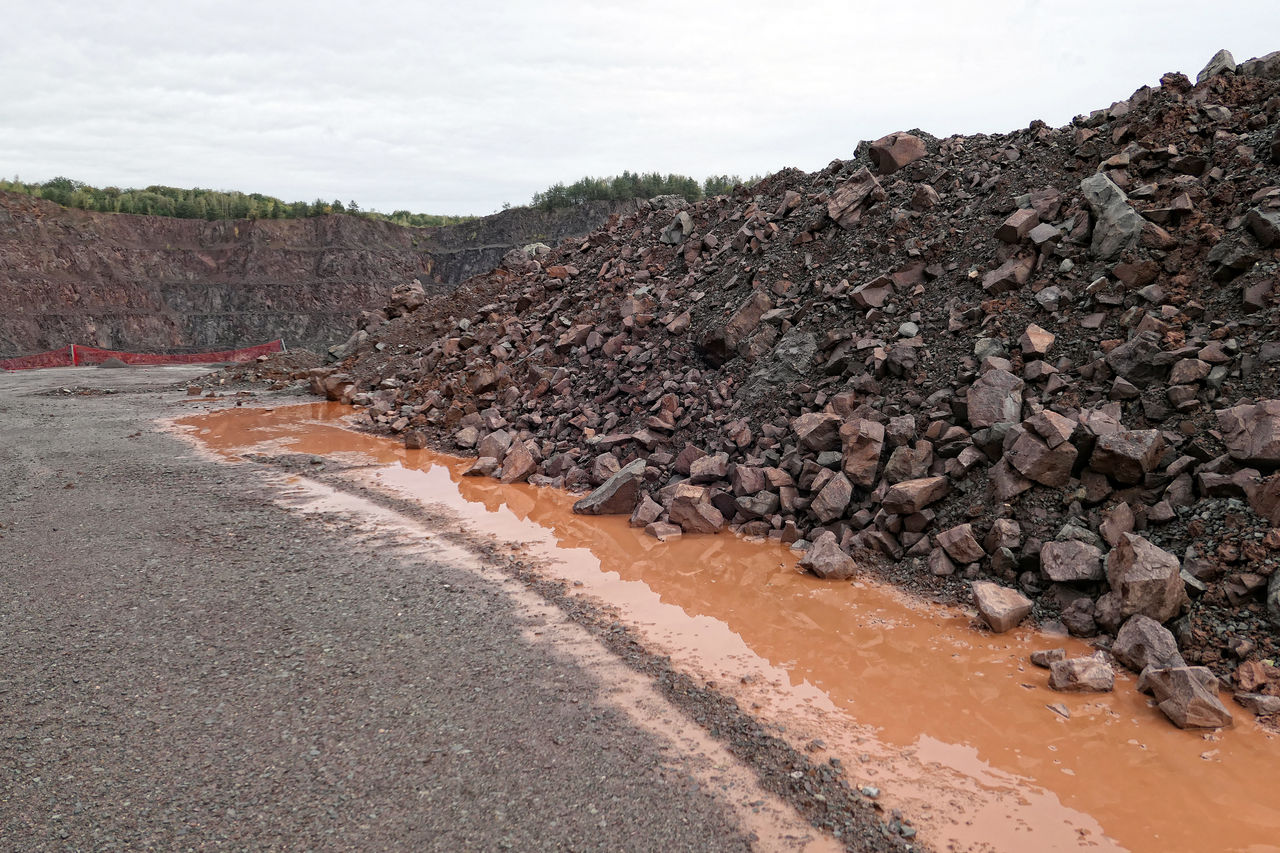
(152, 283)
(1042, 358)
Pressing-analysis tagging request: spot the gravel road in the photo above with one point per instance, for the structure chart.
(186, 664)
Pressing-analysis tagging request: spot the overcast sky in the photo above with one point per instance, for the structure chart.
(459, 107)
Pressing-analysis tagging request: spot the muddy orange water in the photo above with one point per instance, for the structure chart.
(948, 721)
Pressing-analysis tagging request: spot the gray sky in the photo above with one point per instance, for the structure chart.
(459, 107)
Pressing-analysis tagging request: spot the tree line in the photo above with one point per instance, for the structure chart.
(206, 204)
(214, 205)
(631, 185)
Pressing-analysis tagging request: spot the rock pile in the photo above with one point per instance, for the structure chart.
(1045, 361)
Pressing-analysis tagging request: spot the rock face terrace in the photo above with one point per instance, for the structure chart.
(148, 283)
(1044, 360)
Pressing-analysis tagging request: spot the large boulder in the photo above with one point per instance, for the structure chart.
(691, 508)
(890, 153)
(617, 495)
(1071, 561)
(996, 397)
(863, 442)
(1146, 578)
(1000, 607)
(1188, 695)
(1143, 642)
(1252, 432)
(1128, 456)
(1117, 226)
(826, 559)
(1082, 675)
(911, 496)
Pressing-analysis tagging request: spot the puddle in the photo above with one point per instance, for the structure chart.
(950, 723)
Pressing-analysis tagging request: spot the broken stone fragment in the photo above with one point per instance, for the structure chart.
(1036, 460)
(1071, 561)
(1251, 433)
(1019, 224)
(1187, 695)
(617, 495)
(1258, 703)
(518, 464)
(484, 466)
(1078, 675)
(1143, 642)
(691, 508)
(1047, 657)
(1000, 607)
(1128, 456)
(846, 204)
(721, 343)
(1265, 226)
(646, 512)
(1117, 226)
(1036, 341)
(891, 153)
(663, 530)
(911, 496)
(862, 442)
(826, 559)
(1221, 62)
(996, 397)
(1146, 578)
(817, 431)
(961, 544)
(1010, 275)
(833, 500)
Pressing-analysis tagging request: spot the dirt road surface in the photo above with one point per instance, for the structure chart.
(187, 664)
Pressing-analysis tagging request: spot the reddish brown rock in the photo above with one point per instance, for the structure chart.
(721, 343)
(1071, 561)
(1147, 579)
(996, 397)
(1143, 642)
(1252, 432)
(646, 512)
(848, 201)
(691, 508)
(817, 431)
(1116, 521)
(1036, 460)
(833, 500)
(961, 544)
(518, 464)
(663, 530)
(1082, 675)
(1129, 455)
(617, 495)
(890, 153)
(1019, 224)
(826, 559)
(1000, 607)
(863, 442)
(1010, 275)
(1187, 695)
(1036, 341)
(911, 496)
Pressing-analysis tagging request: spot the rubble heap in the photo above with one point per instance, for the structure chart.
(1045, 361)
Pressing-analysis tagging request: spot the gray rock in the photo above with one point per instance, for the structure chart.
(996, 397)
(1000, 607)
(1117, 225)
(617, 495)
(826, 559)
(1187, 695)
(1147, 579)
(1071, 561)
(1221, 63)
(1144, 642)
(1081, 675)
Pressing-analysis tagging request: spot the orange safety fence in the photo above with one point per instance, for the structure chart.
(75, 354)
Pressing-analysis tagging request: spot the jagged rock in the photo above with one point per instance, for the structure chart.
(1258, 703)
(484, 466)
(1117, 225)
(1116, 521)
(911, 496)
(1273, 598)
(647, 511)
(832, 501)
(1127, 456)
(691, 508)
(1019, 224)
(890, 153)
(496, 444)
(680, 228)
(1188, 695)
(1222, 62)
(663, 530)
(1071, 561)
(709, 469)
(1252, 432)
(817, 431)
(1045, 658)
(1147, 579)
(617, 495)
(1136, 359)
(517, 464)
(1144, 642)
(1036, 460)
(1010, 275)
(961, 544)
(996, 397)
(721, 343)
(1035, 341)
(862, 442)
(1079, 675)
(1265, 226)
(848, 202)
(604, 466)
(826, 559)
(1000, 607)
